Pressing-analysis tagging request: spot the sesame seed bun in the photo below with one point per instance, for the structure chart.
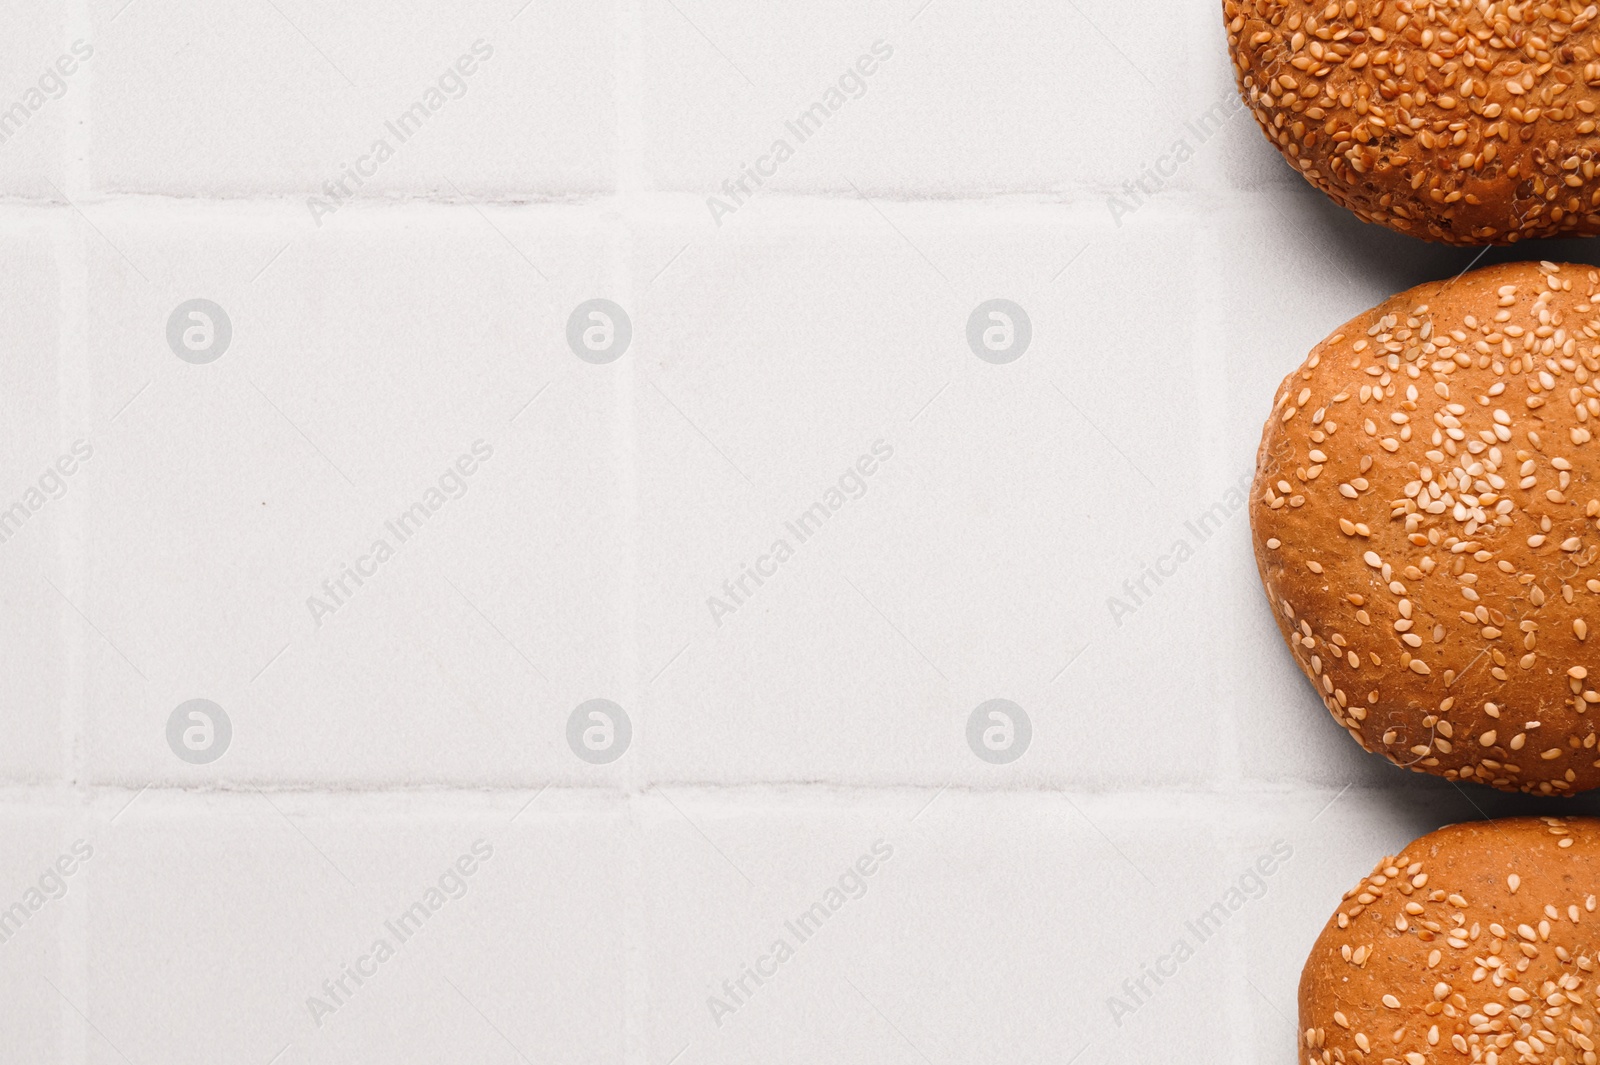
(1468, 123)
(1477, 943)
(1425, 519)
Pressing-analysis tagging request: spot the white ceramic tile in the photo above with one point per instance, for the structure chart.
(48, 66)
(42, 893)
(942, 98)
(357, 530)
(240, 920)
(46, 466)
(973, 924)
(467, 99)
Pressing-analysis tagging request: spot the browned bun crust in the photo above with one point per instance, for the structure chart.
(1478, 943)
(1425, 519)
(1463, 121)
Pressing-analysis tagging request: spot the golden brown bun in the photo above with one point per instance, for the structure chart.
(1477, 944)
(1425, 518)
(1464, 121)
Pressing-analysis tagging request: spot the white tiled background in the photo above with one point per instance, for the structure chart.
(373, 346)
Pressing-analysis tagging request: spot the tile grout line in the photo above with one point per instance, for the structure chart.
(632, 197)
(77, 385)
(1209, 354)
(1179, 204)
(1212, 330)
(63, 796)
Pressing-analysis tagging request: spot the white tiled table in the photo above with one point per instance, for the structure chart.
(996, 551)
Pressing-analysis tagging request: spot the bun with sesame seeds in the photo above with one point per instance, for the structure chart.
(1477, 943)
(1426, 516)
(1463, 121)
